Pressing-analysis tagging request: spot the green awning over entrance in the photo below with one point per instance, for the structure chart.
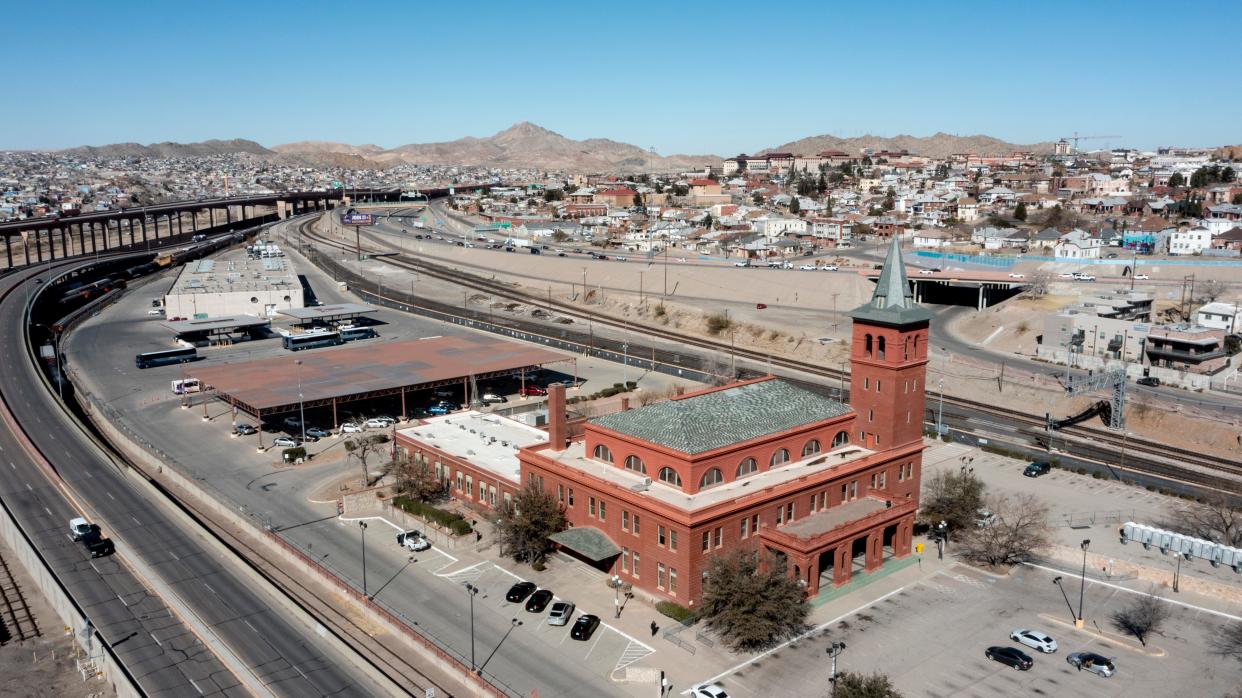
(591, 543)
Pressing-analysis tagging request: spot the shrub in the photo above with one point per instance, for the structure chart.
(449, 519)
(677, 612)
(718, 322)
(538, 566)
(292, 454)
(630, 385)
(1097, 475)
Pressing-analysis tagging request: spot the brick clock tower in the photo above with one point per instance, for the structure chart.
(888, 359)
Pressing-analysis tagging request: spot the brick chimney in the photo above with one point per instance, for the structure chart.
(625, 403)
(557, 429)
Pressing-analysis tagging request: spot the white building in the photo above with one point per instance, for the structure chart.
(235, 283)
(773, 227)
(1220, 316)
(1192, 241)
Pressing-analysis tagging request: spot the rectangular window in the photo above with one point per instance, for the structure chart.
(845, 492)
(625, 520)
(659, 575)
(883, 479)
(780, 515)
(660, 536)
(672, 581)
(603, 514)
(873, 480)
(560, 493)
(635, 556)
(823, 499)
(469, 485)
(672, 539)
(707, 541)
(745, 531)
(812, 503)
(719, 536)
(789, 513)
(636, 524)
(853, 490)
(625, 559)
(901, 472)
(459, 482)
(571, 496)
(907, 416)
(591, 506)
(877, 385)
(866, 384)
(754, 524)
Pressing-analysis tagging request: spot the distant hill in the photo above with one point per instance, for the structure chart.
(939, 145)
(171, 150)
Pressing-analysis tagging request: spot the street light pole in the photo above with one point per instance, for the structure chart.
(834, 650)
(940, 411)
(363, 526)
(1057, 581)
(471, 591)
(1082, 588)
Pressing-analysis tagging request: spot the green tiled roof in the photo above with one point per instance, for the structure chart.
(588, 542)
(893, 301)
(724, 417)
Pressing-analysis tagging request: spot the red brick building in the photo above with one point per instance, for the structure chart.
(830, 489)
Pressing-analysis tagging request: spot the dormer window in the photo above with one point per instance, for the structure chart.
(602, 453)
(636, 464)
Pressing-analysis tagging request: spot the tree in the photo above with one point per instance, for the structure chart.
(559, 236)
(1177, 180)
(1142, 617)
(1214, 519)
(1237, 199)
(1019, 211)
(955, 497)
(757, 198)
(852, 685)
(415, 478)
(1211, 289)
(638, 200)
(1228, 643)
(363, 448)
(752, 605)
(795, 206)
(1018, 528)
(1037, 283)
(707, 221)
(525, 526)
(553, 194)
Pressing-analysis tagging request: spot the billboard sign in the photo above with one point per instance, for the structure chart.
(358, 219)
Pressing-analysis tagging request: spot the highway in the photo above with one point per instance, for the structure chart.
(160, 650)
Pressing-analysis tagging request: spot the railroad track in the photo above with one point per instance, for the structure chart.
(1226, 471)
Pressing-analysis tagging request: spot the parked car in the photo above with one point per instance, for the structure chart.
(927, 271)
(539, 601)
(808, 267)
(1037, 468)
(530, 390)
(379, 422)
(352, 428)
(1010, 656)
(1149, 381)
(561, 612)
(710, 690)
(518, 592)
(155, 311)
(830, 267)
(243, 429)
(78, 528)
(318, 432)
(584, 627)
(1083, 277)
(402, 535)
(1141, 277)
(286, 442)
(1092, 662)
(984, 518)
(416, 542)
(443, 407)
(1065, 276)
(1034, 639)
(292, 422)
(742, 265)
(490, 398)
(1015, 275)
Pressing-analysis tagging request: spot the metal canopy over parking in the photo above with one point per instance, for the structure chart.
(334, 376)
(327, 314)
(216, 325)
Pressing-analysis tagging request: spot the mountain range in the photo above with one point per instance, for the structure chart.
(525, 145)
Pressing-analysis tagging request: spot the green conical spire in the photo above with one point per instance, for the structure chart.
(893, 301)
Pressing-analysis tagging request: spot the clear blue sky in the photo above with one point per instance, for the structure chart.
(718, 77)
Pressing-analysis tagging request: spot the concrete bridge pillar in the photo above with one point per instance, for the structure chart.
(8, 250)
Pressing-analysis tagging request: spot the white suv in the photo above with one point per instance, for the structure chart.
(380, 422)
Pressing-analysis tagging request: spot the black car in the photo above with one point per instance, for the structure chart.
(584, 627)
(520, 591)
(1149, 381)
(1011, 656)
(538, 601)
(1037, 468)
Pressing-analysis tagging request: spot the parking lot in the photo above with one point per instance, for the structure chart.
(930, 639)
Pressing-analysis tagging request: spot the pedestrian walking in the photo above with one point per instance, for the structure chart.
(477, 536)
(654, 628)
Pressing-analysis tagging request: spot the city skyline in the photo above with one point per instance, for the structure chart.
(691, 80)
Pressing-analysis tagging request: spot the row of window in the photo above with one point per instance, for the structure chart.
(715, 476)
(876, 345)
(879, 384)
(666, 576)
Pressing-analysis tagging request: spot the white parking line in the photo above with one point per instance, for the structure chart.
(460, 571)
(593, 645)
(1183, 604)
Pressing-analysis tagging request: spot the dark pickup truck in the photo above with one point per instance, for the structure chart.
(97, 543)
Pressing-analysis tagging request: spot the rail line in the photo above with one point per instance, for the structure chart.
(1109, 444)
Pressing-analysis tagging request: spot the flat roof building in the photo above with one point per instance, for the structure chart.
(234, 283)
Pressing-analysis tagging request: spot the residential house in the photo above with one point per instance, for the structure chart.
(1221, 316)
(1184, 347)
(1189, 241)
(1078, 244)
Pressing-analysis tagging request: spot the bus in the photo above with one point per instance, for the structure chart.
(349, 334)
(297, 342)
(168, 356)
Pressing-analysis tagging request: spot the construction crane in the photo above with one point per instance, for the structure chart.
(1113, 411)
(1076, 137)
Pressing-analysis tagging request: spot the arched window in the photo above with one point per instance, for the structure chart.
(747, 467)
(916, 346)
(781, 456)
(636, 464)
(670, 476)
(602, 453)
(811, 448)
(880, 352)
(867, 345)
(710, 478)
(906, 349)
(840, 439)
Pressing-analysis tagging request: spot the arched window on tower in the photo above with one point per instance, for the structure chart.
(880, 352)
(906, 349)
(916, 346)
(867, 346)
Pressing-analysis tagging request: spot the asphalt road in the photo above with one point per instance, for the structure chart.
(159, 649)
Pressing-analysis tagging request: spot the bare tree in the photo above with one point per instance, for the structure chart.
(1211, 289)
(1215, 519)
(363, 448)
(1019, 528)
(1228, 643)
(1142, 617)
(1037, 284)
